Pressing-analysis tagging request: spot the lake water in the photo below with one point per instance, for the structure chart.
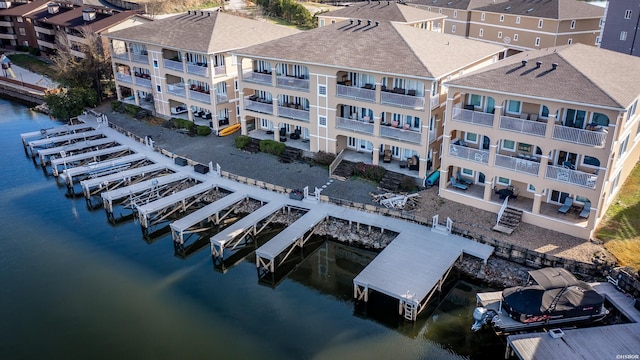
(76, 287)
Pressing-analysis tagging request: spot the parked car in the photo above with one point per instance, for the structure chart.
(178, 110)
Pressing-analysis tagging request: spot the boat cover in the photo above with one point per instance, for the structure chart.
(551, 278)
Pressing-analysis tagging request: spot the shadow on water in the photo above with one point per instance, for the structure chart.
(290, 264)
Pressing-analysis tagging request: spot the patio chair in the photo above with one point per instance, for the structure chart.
(458, 185)
(387, 156)
(586, 209)
(568, 202)
(462, 180)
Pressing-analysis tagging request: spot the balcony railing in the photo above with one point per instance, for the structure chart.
(256, 77)
(400, 134)
(143, 82)
(173, 65)
(177, 89)
(432, 136)
(199, 96)
(473, 117)
(291, 113)
(121, 56)
(579, 136)
(475, 155)
(517, 164)
(219, 70)
(258, 106)
(523, 126)
(354, 125)
(292, 83)
(221, 98)
(435, 101)
(401, 100)
(196, 69)
(575, 177)
(140, 58)
(124, 78)
(357, 93)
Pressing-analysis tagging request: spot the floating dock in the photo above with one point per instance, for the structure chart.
(87, 157)
(101, 168)
(80, 146)
(61, 140)
(92, 187)
(56, 131)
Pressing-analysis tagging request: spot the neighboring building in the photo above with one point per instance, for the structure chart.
(181, 64)
(622, 27)
(521, 24)
(365, 89)
(384, 11)
(545, 125)
(15, 27)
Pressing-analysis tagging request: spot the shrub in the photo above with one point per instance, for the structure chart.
(272, 147)
(183, 124)
(242, 141)
(323, 158)
(369, 172)
(115, 105)
(132, 109)
(202, 130)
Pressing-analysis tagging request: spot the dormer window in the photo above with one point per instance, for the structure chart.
(482, 16)
(518, 20)
(501, 18)
(573, 24)
(540, 22)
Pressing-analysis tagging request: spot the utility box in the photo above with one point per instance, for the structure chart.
(181, 161)
(201, 169)
(296, 195)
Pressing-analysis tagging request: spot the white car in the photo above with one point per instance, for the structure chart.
(178, 110)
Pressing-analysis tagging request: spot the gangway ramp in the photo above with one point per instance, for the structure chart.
(59, 140)
(55, 131)
(91, 187)
(101, 168)
(84, 158)
(44, 154)
(156, 211)
(295, 235)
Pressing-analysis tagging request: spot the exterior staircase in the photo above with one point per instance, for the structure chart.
(509, 220)
(290, 155)
(343, 171)
(391, 181)
(253, 146)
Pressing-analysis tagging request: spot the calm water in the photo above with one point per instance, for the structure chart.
(76, 287)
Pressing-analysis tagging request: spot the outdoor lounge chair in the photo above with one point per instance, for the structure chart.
(387, 156)
(568, 201)
(462, 179)
(457, 184)
(586, 209)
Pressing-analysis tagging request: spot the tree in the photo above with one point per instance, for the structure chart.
(90, 71)
(70, 103)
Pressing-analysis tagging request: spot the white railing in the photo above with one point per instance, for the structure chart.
(354, 125)
(401, 134)
(579, 136)
(221, 98)
(357, 93)
(173, 65)
(517, 164)
(256, 77)
(124, 78)
(435, 101)
(504, 206)
(292, 83)
(523, 126)
(575, 177)
(472, 117)
(414, 102)
(432, 136)
(219, 70)
(197, 69)
(334, 164)
(291, 113)
(261, 107)
(463, 152)
(121, 56)
(140, 58)
(143, 82)
(199, 96)
(177, 89)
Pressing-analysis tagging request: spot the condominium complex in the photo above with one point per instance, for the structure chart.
(181, 66)
(621, 27)
(548, 128)
(384, 11)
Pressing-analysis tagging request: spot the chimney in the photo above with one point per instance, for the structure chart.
(538, 64)
(554, 66)
(524, 62)
(88, 15)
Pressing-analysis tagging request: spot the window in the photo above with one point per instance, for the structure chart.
(623, 35)
(22, 31)
(531, 188)
(333, 21)
(475, 100)
(623, 146)
(616, 181)
(504, 181)
(599, 119)
(540, 22)
(455, 14)
(235, 85)
(155, 64)
(513, 106)
(471, 137)
(322, 121)
(575, 118)
(322, 90)
(518, 20)
(501, 18)
(627, 14)
(515, 37)
(508, 145)
(481, 34)
(19, 19)
(440, 11)
(598, 40)
(158, 88)
(499, 34)
(537, 43)
(453, 29)
(632, 109)
(544, 112)
(482, 16)
(590, 161)
(321, 22)
(573, 24)
(468, 172)
(570, 41)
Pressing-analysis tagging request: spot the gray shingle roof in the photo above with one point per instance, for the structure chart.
(383, 11)
(385, 48)
(204, 32)
(585, 74)
(550, 9)
(455, 4)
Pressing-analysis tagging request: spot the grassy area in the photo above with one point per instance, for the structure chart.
(620, 229)
(32, 63)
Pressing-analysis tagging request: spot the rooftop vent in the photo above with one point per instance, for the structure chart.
(53, 8)
(359, 21)
(524, 62)
(351, 21)
(377, 23)
(368, 22)
(508, 7)
(529, 10)
(538, 64)
(88, 15)
(450, 2)
(554, 66)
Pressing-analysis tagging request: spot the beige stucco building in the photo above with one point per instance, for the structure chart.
(544, 125)
(385, 11)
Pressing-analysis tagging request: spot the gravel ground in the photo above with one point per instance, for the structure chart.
(296, 175)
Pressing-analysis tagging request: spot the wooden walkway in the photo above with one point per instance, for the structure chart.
(621, 301)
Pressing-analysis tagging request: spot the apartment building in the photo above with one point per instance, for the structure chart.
(521, 24)
(621, 27)
(385, 11)
(363, 89)
(15, 27)
(543, 129)
(181, 66)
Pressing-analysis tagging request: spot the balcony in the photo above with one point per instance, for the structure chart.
(293, 113)
(177, 89)
(354, 125)
(473, 117)
(200, 96)
(197, 69)
(7, 24)
(45, 43)
(595, 138)
(575, 177)
(401, 100)
(256, 77)
(522, 126)
(432, 136)
(140, 58)
(219, 70)
(352, 92)
(8, 36)
(475, 155)
(124, 78)
(258, 105)
(41, 30)
(221, 98)
(173, 65)
(121, 56)
(144, 82)
(394, 133)
(291, 82)
(435, 101)
(517, 164)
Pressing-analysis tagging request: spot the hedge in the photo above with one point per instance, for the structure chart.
(272, 147)
(202, 130)
(242, 141)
